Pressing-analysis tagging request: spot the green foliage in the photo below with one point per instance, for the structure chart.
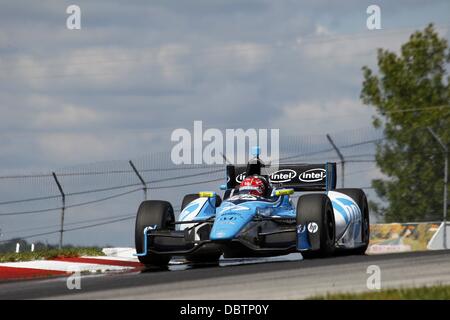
(50, 254)
(423, 293)
(411, 92)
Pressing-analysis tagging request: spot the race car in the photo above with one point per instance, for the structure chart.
(266, 223)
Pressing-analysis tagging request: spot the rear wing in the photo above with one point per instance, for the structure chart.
(300, 177)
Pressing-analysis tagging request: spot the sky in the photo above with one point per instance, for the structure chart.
(137, 70)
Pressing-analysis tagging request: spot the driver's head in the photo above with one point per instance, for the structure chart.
(253, 185)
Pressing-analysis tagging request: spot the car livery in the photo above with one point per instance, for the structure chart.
(323, 220)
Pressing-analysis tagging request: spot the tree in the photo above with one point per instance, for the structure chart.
(410, 92)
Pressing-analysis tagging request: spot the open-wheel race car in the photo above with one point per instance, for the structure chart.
(257, 217)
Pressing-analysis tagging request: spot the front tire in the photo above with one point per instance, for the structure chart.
(317, 208)
(153, 213)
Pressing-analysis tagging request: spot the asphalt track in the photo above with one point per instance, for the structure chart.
(275, 280)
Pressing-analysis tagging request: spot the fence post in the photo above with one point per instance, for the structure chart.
(140, 178)
(63, 209)
(444, 213)
(341, 156)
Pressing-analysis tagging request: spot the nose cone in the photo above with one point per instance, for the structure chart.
(227, 225)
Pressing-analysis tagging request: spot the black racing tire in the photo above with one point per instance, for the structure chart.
(317, 208)
(192, 196)
(361, 200)
(188, 199)
(153, 212)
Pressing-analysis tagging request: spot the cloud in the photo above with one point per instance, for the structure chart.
(351, 49)
(167, 58)
(74, 147)
(66, 115)
(314, 117)
(322, 30)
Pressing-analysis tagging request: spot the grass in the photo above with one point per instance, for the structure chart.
(50, 254)
(438, 292)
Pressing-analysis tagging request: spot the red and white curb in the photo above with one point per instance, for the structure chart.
(67, 266)
(115, 260)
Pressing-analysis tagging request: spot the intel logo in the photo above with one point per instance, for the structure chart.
(240, 177)
(283, 175)
(312, 175)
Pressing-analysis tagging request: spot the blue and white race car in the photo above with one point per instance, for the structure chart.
(323, 221)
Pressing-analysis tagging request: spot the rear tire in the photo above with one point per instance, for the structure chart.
(188, 199)
(318, 208)
(360, 198)
(153, 212)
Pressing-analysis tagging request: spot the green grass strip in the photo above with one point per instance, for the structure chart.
(438, 292)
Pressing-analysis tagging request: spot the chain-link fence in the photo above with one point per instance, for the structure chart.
(100, 199)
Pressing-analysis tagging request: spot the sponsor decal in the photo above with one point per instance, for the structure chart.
(233, 207)
(312, 175)
(283, 175)
(191, 210)
(246, 197)
(264, 211)
(240, 177)
(313, 227)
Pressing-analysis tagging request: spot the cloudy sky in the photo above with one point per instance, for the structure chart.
(139, 69)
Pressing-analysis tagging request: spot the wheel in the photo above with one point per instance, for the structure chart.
(192, 196)
(153, 212)
(361, 200)
(317, 208)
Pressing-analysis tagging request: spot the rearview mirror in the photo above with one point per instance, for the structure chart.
(206, 194)
(284, 192)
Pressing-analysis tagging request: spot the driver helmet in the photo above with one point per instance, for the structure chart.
(253, 185)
